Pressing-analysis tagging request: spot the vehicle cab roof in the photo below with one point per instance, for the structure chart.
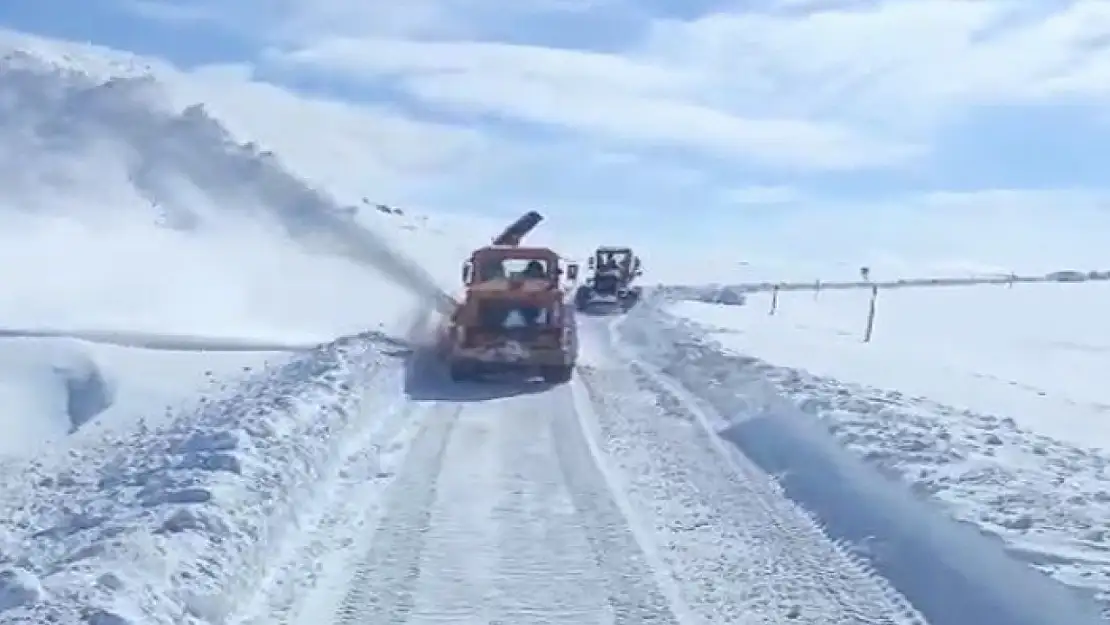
(510, 251)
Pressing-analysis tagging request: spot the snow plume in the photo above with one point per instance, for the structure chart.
(105, 180)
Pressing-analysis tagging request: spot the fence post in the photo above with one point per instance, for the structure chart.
(816, 290)
(871, 314)
(774, 299)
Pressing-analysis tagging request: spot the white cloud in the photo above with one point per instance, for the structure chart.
(833, 88)
(899, 63)
(601, 95)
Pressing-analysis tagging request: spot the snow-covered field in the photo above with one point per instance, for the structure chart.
(988, 399)
(188, 442)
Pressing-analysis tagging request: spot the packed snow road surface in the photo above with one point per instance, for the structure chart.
(502, 522)
(602, 501)
(494, 511)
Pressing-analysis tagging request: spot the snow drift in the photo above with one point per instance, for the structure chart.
(948, 570)
(165, 523)
(51, 389)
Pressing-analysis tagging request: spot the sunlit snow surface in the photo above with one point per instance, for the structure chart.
(991, 399)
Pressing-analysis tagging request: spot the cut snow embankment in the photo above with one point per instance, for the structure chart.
(160, 525)
(950, 399)
(48, 389)
(55, 389)
(950, 572)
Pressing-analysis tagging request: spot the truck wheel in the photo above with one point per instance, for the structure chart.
(558, 374)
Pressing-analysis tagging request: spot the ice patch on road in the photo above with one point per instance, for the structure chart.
(920, 552)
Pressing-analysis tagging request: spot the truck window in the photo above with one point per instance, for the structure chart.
(499, 315)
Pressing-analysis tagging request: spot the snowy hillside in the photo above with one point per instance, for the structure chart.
(197, 447)
(127, 218)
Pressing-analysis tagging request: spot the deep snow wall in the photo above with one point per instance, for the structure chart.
(950, 572)
(166, 525)
(49, 388)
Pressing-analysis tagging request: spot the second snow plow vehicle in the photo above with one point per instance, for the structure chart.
(610, 286)
(513, 317)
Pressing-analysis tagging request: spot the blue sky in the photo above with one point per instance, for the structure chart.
(638, 111)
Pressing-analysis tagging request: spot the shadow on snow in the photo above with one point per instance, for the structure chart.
(426, 379)
(949, 571)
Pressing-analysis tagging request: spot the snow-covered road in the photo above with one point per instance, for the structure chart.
(352, 486)
(476, 509)
(499, 527)
(589, 503)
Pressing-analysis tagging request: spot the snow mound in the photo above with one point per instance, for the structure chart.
(972, 420)
(50, 389)
(170, 524)
(950, 572)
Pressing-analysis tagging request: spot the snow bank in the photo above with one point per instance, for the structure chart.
(48, 389)
(1047, 498)
(949, 572)
(171, 525)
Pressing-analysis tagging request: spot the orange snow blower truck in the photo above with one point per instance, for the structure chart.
(514, 317)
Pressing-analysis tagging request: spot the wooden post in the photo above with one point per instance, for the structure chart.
(871, 314)
(816, 290)
(774, 300)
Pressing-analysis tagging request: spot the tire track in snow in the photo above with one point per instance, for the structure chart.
(505, 543)
(567, 553)
(741, 552)
(501, 515)
(365, 468)
(636, 585)
(381, 588)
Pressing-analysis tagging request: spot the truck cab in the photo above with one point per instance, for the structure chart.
(617, 261)
(499, 263)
